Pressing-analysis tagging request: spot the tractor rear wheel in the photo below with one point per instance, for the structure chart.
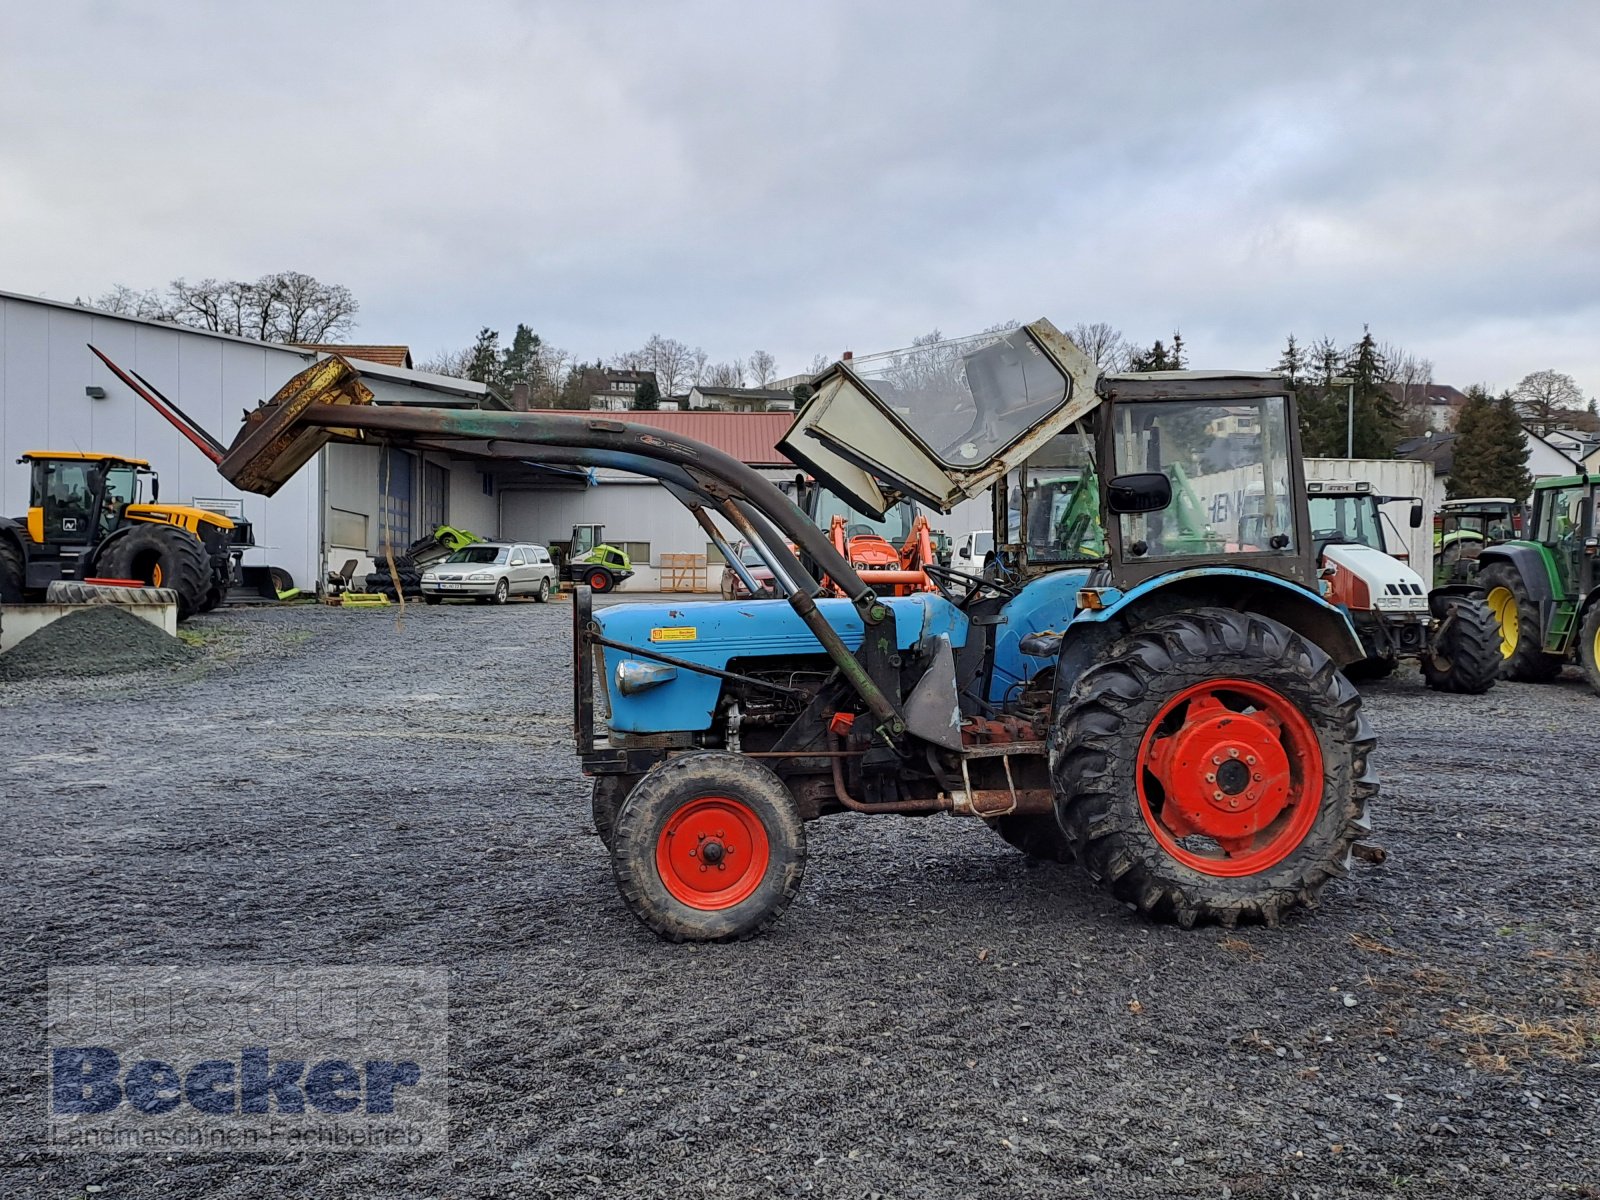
(1464, 655)
(599, 579)
(1213, 766)
(1521, 633)
(13, 570)
(1589, 646)
(708, 847)
(1036, 836)
(162, 556)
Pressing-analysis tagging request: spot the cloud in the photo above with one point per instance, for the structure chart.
(812, 177)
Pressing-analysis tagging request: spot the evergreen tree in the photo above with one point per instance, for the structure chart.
(1158, 357)
(519, 363)
(1376, 419)
(647, 398)
(483, 361)
(1491, 449)
(1292, 362)
(1321, 412)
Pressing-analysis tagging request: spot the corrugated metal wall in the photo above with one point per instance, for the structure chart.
(45, 365)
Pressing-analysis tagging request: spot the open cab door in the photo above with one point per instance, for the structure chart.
(943, 421)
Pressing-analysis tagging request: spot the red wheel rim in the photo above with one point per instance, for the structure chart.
(1234, 762)
(712, 853)
(597, 581)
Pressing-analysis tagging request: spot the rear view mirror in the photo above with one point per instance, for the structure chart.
(1416, 515)
(155, 488)
(1146, 492)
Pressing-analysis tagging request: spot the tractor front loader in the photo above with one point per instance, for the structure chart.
(1167, 712)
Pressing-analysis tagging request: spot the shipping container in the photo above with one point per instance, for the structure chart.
(1393, 477)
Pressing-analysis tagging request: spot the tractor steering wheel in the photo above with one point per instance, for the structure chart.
(943, 577)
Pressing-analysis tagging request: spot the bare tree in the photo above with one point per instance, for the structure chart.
(730, 374)
(762, 368)
(1103, 343)
(820, 363)
(1547, 400)
(454, 363)
(697, 367)
(1410, 376)
(297, 308)
(126, 301)
(287, 306)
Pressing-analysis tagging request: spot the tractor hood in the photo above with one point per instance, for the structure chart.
(940, 422)
(1393, 586)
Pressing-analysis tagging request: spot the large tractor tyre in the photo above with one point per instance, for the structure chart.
(1521, 640)
(708, 847)
(606, 801)
(1213, 766)
(13, 570)
(162, 556)
(1036, 836)
(1589, 646)
(1465, 654)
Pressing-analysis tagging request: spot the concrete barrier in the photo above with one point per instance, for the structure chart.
(17, 621)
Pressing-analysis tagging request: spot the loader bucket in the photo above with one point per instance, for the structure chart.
(272, 445)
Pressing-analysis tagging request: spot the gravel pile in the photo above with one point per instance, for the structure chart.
(100, 640)
(934, 1017)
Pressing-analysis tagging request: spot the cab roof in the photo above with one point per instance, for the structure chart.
(81, 456)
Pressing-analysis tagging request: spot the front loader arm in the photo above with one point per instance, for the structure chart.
(328, 399)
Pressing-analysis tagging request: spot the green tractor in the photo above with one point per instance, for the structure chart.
(1544, 591)
(1468, 527)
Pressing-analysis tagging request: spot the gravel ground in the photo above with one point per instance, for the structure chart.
(935, 1016)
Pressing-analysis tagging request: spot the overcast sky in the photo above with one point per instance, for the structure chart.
(813, 176)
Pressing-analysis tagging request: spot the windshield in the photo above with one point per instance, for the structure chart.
(1228, 461)
(1053, 502)
(895, 527)
(480, 555)
(967, 398)
(1347, 518)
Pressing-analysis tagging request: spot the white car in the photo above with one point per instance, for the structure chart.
(492, 573)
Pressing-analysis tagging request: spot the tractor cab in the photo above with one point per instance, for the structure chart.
(76, 499)
(1468, 527)
(1142, 475)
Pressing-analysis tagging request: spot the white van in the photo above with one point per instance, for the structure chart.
(972, 551)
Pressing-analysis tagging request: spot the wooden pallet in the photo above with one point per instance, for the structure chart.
(683, 572)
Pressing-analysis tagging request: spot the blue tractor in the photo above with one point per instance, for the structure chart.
(1140, 680)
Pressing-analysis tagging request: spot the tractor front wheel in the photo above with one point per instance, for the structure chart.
(162, 556)
(1589, 646)
(606, 801)
(599, 579)
(1213, 766)
(708, 847)
(13, 570)
(1464, 653)
(1521, 633)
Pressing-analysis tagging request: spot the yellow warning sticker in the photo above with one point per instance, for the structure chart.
(674, 633)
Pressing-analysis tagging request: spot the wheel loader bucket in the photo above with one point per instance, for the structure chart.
(273, 445)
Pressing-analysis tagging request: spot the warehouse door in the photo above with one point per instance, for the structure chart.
(396, 489)
(435, 497)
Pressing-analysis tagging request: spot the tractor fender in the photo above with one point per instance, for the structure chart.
(1530, 561)
(1287, 603)
(92, 561)
(1439, 599)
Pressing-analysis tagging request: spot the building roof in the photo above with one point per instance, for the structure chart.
(752, 438)
(1427, 393)
(389, 356)
(743, 393)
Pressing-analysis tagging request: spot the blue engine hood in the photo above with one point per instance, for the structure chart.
(716, 632)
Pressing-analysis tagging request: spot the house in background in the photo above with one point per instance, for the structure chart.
(1544, 460)
(614, 390)
(740, 399)
(388, 356)
(1439, 403)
